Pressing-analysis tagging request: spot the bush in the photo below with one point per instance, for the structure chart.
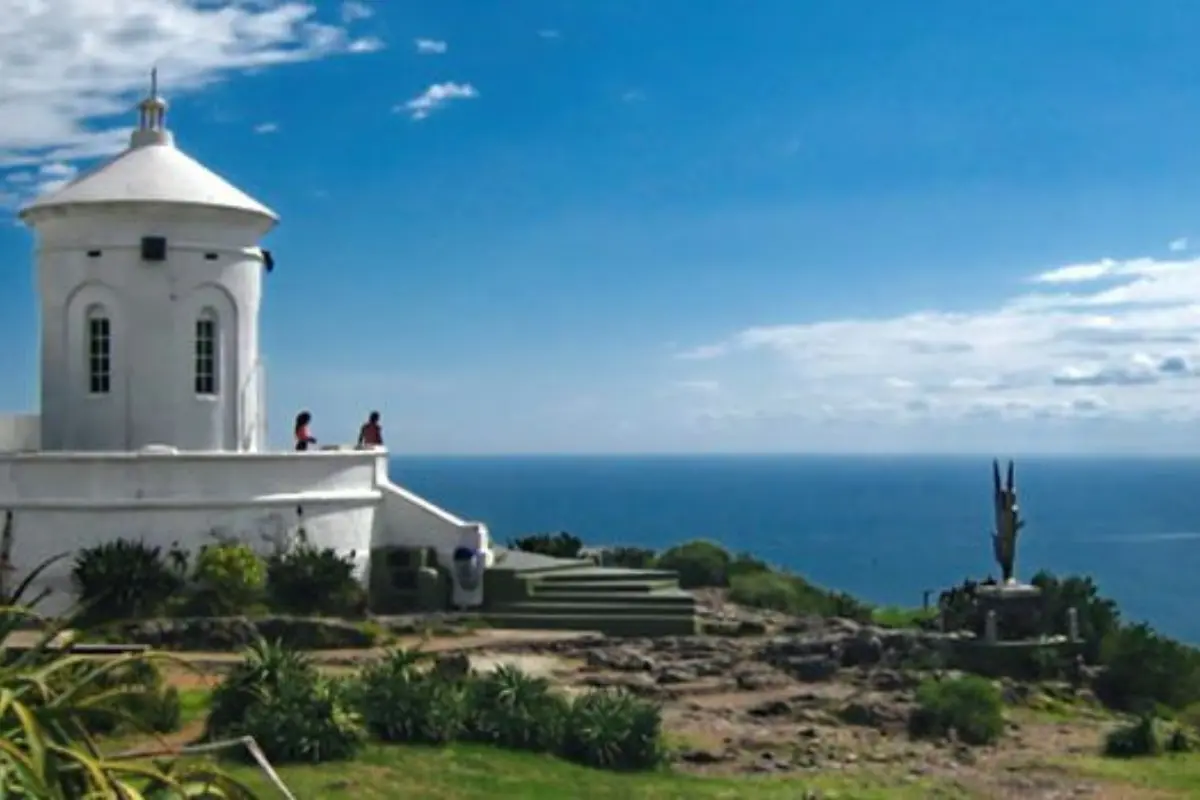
(628, 557)
(969, 706)
(314, 581)
(560, 545)
(1143, 669)
(141, 702)
(228, 578)
(699, 564)
(511, 709)
(124, 579)
(307, 720)
(264, 668)
(1098, 616)
(52, 698)
(1139, 738)
(791, 594)
(613, 730)
(402, 703)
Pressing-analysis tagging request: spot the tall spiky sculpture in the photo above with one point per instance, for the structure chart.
(1008, 521)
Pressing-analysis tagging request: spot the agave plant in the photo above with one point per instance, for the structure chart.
(47, 750)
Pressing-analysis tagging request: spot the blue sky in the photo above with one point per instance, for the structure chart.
(671, 226)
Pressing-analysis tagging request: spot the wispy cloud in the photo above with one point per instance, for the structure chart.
(633, 96)
(266, 127)
(68, 70)
(437, 96)
(353, 11)
(430, 47)
(1178, 245)
(1110, 339)
(549, 33)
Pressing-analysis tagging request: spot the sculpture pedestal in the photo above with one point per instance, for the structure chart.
(1009, 612)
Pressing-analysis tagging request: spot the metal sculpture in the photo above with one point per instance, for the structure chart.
(1008, 521)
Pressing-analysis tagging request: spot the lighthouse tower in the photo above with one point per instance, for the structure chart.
(149, 273)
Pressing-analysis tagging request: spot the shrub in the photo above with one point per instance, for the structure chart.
(699, 564)
(512, 709)
(1098, 616)
(311, 580)
(613, 730)
(401, 703)
(1143, 669)
(227, 578)
(124, 579)
(629, 557)
(310, 719)
(969, 706)
(771, 591)
(1139, 738)
(791, 594)
(141, 700)
(51, 697)
(264, 668)
(559, 545)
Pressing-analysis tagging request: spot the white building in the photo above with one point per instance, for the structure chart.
(152, 422)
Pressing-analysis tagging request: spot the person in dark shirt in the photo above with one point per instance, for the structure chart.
(371, 433)
(303, 435)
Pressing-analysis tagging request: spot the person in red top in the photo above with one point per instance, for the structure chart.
(303, 436)
(371, 433)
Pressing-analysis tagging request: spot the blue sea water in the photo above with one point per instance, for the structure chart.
(886, 529)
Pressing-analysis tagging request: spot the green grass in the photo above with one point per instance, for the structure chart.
(465, 772)
(1176, 773)
(193, 704)
(900, 617)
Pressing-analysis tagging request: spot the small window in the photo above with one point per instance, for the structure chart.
(99, 363)
(210, 256)
(94, 253)
(206, 355)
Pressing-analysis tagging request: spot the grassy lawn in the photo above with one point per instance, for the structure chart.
(1178, 774)
(467, 772)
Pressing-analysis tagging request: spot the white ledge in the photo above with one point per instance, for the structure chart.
(336, 497)
(351, 454)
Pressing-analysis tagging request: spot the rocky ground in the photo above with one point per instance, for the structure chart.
(800, 697)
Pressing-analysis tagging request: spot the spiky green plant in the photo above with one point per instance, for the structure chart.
(47, 749)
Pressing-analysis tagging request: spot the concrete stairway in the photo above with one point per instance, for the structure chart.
(574, 595)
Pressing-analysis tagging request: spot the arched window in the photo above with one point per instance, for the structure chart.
(99, 352)
(207, 370)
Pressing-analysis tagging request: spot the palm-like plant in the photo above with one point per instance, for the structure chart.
(47, 751)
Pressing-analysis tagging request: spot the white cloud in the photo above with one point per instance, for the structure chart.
(549, 33)
(1117, 340)
(266, 127)
(436, 96)
(1178, 245)
(71, 70)
(430, 47)
(355, 11)
(633, 96)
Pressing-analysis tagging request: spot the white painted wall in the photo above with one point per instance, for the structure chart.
(66, 501)
(406, 520)
(20, 432)
(90, 258)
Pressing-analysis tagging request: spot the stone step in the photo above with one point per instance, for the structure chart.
(605, 575)
(664, 599)
(614, 608)
(633, 626)
(598, 587)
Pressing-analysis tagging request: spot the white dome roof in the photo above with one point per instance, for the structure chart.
(152, 170)
(152, 173)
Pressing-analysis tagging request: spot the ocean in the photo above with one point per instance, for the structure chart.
(886, 529)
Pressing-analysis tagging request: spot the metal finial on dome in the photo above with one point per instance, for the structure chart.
(152, 117)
